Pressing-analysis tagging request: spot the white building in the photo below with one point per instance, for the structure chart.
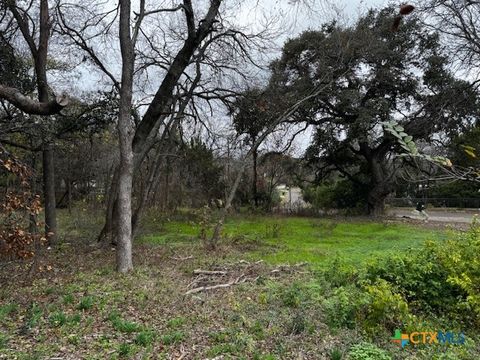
(290, 197)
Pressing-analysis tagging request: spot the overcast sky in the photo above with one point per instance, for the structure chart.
(347, 10)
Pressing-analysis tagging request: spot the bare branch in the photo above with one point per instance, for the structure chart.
(30, 106)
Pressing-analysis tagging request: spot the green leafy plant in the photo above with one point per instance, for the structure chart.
(86, 303)
(125, 350)
(336, 354)
(34, 315)
(3, 341)
(58, 319)
(122, 325)
(406, 143)
(172, 337)
(7, 309)
(342, 306)
(384, 308)
(145, 338)
(68, 299)
(367, 351)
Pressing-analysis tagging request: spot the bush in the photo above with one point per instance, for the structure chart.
(18, 206)
(340, 195)
(342, 307)
(384, 308)
(441, 277)
(439, 282)
(367, 351)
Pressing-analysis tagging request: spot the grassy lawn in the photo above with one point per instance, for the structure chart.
(77, 307)
(299, 239)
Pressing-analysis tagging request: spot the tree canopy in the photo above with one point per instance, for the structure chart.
(369, 75)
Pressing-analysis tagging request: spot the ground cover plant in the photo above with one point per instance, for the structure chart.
(333, 307)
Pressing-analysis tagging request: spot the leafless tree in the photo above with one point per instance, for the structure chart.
(458, 23)
(34, 23)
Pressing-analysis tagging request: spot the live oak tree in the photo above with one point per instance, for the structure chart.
(371, 75)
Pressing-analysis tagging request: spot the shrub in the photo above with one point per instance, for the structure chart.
(298, 324)
(340, 195)
(342, 307)
(440, 277)
(384, 308)
(367, 351)
(17, 206)
(292, 296)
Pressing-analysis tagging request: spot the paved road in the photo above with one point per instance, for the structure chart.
(446, 216)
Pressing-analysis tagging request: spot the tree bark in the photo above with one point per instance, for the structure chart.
(381, 185)
(125, 132)
(254, 181)
(32, 221)
(39, 55)
(163, 95)
(69, 196)
(49, 194)
(376, 200)
(30, 106)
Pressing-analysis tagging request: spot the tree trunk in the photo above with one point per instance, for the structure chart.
(228, 203)
(376, 201)
(69, 195)
(254, 183)
(125, 132)
(110, 216)
(49, 194)
(381, 187)
(124, 208)
(258, 141)
(32, 221)
(152, 176)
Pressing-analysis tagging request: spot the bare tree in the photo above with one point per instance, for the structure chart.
(164, 46)
(36, 34)
(457, 22)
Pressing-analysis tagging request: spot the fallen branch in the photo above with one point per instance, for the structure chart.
(238, 280)
(182, 258)
(288, 268)
(209, 272)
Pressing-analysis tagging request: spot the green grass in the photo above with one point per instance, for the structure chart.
(86, 303)
(123, 325)
(145, 314)
(6, 310)
(171, 338)
(316, 241)
(145, 338)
